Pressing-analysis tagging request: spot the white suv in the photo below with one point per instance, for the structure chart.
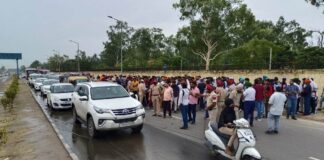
(106, 106)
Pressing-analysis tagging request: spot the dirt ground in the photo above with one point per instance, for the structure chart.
(319, 117)
(29, 134)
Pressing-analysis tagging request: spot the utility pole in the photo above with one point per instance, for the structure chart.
(270, 58)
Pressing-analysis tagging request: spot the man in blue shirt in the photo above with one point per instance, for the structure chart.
(292, 92)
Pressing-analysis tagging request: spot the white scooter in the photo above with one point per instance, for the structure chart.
(217, 141)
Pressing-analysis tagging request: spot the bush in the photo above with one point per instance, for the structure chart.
(3, 135)
(10, 94)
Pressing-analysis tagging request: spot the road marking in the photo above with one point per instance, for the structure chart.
(313, 158)
(176, 117)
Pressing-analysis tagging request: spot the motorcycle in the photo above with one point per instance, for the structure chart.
(217, 141)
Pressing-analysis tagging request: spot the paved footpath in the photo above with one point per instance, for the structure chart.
(30, 136)
(297, 140)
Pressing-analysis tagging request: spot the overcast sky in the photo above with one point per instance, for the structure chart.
(36, 27)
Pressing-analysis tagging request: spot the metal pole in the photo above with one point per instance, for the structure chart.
(121, 48)
(270, 59)
(17, 67)
(78, 57)
(181, 64)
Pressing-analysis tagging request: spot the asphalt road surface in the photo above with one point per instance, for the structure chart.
(151, 144)
(297, 140)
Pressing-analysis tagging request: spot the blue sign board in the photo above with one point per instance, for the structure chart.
(10, 56)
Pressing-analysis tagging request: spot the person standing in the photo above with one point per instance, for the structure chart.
(201, 86)
(307, 93)
(292, 93)
(155, 96)
(236, 95)
(176, 91)
(259, 98)
(221, 92)
(183, 103)
(167, 99)
(211, 104)
(321, 101)
(141, 91)
(268, 89)
(249, 102)
(193, 101)
(277, 103)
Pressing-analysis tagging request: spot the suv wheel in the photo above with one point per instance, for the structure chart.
(137, 129)
(75, 116)
(93, 133)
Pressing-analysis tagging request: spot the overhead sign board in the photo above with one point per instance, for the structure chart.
(10, 56)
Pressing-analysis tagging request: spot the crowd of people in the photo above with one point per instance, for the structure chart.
(223, 99)
(185, 94)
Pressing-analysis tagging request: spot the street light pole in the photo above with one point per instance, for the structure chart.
(78, 53)
(121, 42)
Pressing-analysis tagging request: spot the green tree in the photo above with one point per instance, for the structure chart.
(22, 68)
(35, 64)
(118, 38)
(316, 3)
(216, 26)
(55, 62)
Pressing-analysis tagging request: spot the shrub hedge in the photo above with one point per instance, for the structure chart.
(10, 94)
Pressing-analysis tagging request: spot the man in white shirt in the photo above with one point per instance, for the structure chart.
(277, 103)
(249, 102)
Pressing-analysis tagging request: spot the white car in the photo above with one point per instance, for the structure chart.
(106, 106)
(32, 78)
(38, 83)
(60, 96)
(45, 88)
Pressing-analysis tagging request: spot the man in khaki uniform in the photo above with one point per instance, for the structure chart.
(211, 103)
(236, 95)
(141, 91)
(221, 92)
(155, 95)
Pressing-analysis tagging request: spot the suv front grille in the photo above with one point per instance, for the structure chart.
(66, 99)
(127, 111)
(125, 120)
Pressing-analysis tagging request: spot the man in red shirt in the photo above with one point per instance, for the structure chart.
(268, 90)
(259, 98)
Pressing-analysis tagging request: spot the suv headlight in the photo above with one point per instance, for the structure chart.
(140, 107)
(56, 99)
(101, 110)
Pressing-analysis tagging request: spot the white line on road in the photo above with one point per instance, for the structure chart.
(176, 117)
(313, 158)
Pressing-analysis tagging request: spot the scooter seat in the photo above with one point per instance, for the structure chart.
(224, 137)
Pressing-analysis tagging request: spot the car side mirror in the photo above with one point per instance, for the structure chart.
(83, 98)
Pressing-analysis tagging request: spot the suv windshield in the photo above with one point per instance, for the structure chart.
(63, 89)
(108, 92)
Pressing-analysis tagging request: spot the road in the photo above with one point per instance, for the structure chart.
(151, 144)
(297, 140)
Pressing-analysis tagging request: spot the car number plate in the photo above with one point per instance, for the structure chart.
(248, 132)
(126, 124)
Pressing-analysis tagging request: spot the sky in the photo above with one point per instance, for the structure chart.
(37, 27)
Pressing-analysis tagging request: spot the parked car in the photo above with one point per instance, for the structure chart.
(32, 77)
(106, 106)
(38, 83)
(45, 88)
(60, 96)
